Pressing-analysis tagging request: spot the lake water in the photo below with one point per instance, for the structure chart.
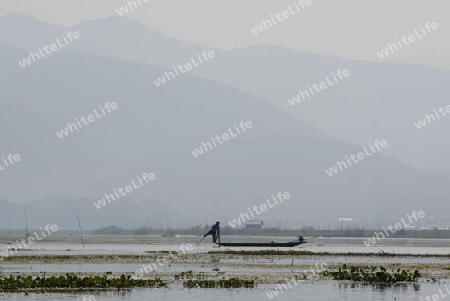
(316, 292)
(322, 290)
(135, 245)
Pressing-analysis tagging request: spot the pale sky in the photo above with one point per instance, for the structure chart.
(347, 28)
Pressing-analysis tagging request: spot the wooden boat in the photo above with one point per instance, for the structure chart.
(270, 244)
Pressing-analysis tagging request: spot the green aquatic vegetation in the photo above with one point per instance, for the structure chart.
(372, 274)
(381, 253)
(20, 250)
(223, 283)
(187, 275)
(184, 275)
(71, 281)
(263, 252)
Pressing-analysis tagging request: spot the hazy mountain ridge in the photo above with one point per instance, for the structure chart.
(155, 130)
(275, 75)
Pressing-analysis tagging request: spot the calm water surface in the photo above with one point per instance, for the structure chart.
(318, 292)
(138, 245)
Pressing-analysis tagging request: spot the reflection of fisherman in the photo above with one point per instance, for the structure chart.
(215, 232)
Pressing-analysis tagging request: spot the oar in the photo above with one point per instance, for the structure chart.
(81, 233)
(201, 240)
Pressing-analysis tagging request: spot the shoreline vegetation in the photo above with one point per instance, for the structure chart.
(305, 232)
(278, 252)
(198, 257)
(226, 230)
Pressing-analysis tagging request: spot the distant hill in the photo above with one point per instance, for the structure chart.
(155, 129)
(379, 100)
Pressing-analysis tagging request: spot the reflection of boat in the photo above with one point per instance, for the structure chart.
(269, 244)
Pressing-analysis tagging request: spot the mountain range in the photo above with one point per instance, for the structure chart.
(156, 128)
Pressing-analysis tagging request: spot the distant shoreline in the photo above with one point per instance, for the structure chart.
(114, 231)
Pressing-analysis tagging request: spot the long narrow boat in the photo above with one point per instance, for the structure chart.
(258, 244)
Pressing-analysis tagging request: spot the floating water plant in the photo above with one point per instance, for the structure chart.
(224, 283)
(71, 281)
(372, 274)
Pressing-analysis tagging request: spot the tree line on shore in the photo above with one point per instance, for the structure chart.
(305, 232)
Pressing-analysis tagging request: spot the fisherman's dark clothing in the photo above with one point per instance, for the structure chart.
(214, 232)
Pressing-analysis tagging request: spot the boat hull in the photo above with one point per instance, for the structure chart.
(256, 244)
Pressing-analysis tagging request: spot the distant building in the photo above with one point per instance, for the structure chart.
(254, 224)
(345, 223)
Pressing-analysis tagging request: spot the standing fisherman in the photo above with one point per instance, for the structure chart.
(215, 232)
